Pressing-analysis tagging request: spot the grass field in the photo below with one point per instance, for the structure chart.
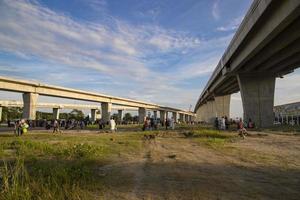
(190, 162)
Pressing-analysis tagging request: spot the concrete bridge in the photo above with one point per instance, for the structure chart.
(31, 91)
(56, 108)
(265, 46)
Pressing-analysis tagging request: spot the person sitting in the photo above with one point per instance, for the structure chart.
(241, 129)
(250, 123)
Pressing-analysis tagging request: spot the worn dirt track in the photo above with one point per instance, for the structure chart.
(179, 168)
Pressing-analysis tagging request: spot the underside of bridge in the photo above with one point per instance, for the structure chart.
(266, 46)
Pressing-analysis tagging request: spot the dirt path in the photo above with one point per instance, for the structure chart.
(179, 168)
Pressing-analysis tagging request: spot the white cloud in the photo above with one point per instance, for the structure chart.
(117, 50)
(215, 10)
(232, 25)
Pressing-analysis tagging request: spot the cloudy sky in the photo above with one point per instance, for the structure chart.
(161, 51)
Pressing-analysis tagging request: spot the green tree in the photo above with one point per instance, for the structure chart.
(11, 113)
(127, 117)
(76, 114)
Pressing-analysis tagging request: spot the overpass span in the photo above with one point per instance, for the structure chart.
(31, 90)
(265, 46)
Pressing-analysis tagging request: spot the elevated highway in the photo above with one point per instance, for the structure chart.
(31, 91)
(265, 46)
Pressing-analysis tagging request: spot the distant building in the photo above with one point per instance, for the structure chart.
(287, 113)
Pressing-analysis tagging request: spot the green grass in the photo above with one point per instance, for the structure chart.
(46, 166)
(210, 137)
(66, 166)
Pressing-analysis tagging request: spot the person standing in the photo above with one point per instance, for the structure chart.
(217, 123)
(223, 123)
(226, 123)
(172, 123)
(56, 128)
(112, 125)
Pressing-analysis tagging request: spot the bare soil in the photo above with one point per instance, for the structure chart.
(263, 166)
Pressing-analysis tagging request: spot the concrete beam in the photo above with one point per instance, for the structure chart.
(258, 98)
(29, 101)
(106, 111)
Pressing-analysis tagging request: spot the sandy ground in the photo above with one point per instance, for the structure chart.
(173, 167)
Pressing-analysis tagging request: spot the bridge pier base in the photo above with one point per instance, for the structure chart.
(257, 93)
(30, 102)
(55, 113)
(142, 115)
(106, 111)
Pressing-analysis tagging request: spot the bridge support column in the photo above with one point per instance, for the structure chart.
(30, 102)
(106, 111)
(55, 113)
(211, 111)
(222, 106)
(257, 93)
(142, 115)
(0, 113)
(155, 114)
(93, 115)
(163, 116)
(120, 115)
(174, 116)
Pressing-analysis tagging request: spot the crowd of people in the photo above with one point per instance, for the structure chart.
(152, 124)
(223, 123)
(20, 127)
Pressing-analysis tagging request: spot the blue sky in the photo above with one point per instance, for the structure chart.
(161, 51)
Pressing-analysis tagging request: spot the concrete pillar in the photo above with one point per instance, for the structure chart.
(30, 102)
(106, 111)
(162, 116)
(222, 106)
(120, 115)
(0, 113)
(174, 115)
(155, 114)
(55, 113)
(93, 115)
(142, 115)
(211, 111)
(257, 93)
